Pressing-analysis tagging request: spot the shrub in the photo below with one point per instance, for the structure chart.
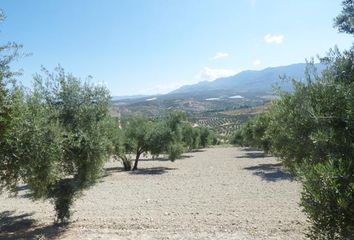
(206, 137)
(237, 138)
(328, 199)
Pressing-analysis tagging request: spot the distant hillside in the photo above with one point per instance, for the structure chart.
(117, 98)
(223, 96)
(250, 81)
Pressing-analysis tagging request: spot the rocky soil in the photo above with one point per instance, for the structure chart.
(216, 193)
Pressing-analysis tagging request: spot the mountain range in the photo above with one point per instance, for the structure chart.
(251, 81)
(245, 89)
(245, 82)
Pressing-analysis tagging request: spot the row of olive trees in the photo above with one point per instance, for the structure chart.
(171, 134)
(56, 137)
(53, 138)
(312, 131)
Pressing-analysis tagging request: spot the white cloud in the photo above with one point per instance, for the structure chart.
(210, 74)
(220, 55)
(257, 62)
(278, 39)
(206, 73)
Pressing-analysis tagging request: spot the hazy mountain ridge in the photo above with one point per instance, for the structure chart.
(251, 80)
(243, 90)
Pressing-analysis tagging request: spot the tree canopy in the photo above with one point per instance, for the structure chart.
(312, 131)
(345, 21)
(54, 138)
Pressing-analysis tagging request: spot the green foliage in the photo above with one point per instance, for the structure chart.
(143, 135)
(174, 120)
(195, 143)
(40, 148)
(345, 21)
(12, 111)
(191, 136)
(328, 199)
(118, 139)
(63, 194)
(55, 138)
(171, 135)
(206, 137)
(253, 133)
(137, 131)
(161, 136)
(65, 139)
(12, 107)
(175, 150)
(196, 137)
(312, 131)
(237, 138)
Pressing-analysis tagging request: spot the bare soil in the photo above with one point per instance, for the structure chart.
(216, 193)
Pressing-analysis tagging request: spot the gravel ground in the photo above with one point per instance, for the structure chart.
(217, 193)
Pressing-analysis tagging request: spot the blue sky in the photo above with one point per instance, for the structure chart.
(154, 46)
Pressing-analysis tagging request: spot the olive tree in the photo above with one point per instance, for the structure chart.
(137, 132)
(252, 133)
(119, 143)
(72, 118)
(155, 136)
(207, 137)
(57, 140)
(345, 21)
(191, 136)
(12, 107)
(174, 122)
(312, 130)
(53, 138)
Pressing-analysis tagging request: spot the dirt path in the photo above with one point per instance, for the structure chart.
(218, 193)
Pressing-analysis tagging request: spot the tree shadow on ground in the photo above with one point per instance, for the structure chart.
(198, 150)
(22, 187)
(28, 195)
(22, 191)
(152, 171)
(164, 159)
(253, 154)
(22, 226)
(270, 172)
(184, 156)
(108, 171)
(247, 149)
